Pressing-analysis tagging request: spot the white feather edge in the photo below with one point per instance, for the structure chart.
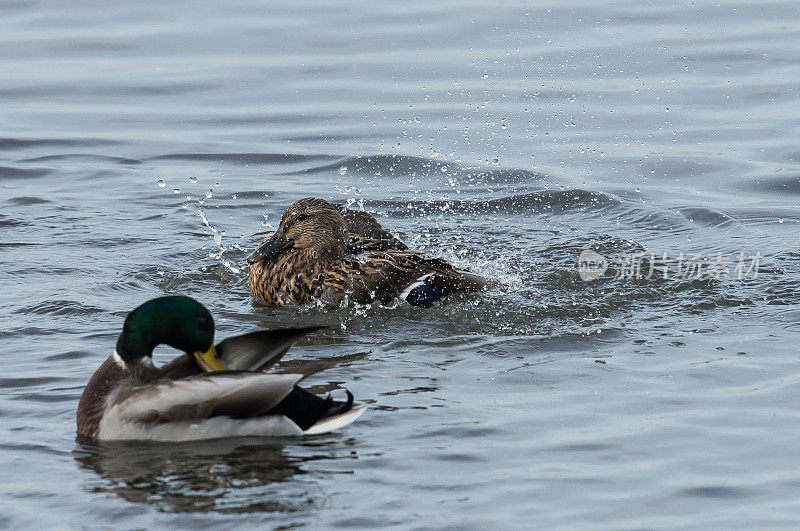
(420, 281)
(147, 361)
(337, 421)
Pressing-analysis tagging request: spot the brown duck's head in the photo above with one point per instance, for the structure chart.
(310, 224)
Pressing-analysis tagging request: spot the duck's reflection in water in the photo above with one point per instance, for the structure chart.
(230, 475)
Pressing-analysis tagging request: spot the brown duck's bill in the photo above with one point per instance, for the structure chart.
(271, 246)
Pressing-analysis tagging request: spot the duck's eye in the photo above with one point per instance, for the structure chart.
(301, 217)
(204, 324)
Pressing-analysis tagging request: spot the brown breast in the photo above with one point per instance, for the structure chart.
(294, 275)
(93, 401)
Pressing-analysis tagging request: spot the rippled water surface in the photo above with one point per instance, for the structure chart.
(144, 147)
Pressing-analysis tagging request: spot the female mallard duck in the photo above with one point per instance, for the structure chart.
(192, 398)
(314, 254)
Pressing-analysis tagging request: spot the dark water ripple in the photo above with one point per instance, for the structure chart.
(148, 147)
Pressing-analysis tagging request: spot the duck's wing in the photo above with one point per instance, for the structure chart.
(365, 234)
(222, 404)
(260, 350)
(233, 394)
(256, 351)
(406, 274)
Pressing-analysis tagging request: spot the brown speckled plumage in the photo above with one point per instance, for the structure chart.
(297, 278)
(320, 260)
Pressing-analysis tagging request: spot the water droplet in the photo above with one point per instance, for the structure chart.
(781, 220)
(193, 179)
(209, 193)
(161, 183)
(342, 170)
(444, 169)
(216, 184)
(176, 190)
(417, 119)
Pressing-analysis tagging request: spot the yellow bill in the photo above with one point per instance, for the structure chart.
(209, 361)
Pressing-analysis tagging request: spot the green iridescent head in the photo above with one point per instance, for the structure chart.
(180, 322)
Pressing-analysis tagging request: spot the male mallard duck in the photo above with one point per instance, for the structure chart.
(191, 397)
(314, 254)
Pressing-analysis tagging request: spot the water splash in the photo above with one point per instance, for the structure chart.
(221, 249)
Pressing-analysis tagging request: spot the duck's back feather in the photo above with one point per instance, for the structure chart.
(366, 234)
(387, 275)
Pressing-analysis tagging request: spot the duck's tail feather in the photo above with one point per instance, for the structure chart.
(339, 420)
(433, 287)
(340, 407)
(308, 410)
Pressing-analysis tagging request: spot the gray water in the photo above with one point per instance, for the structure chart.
(144, 146)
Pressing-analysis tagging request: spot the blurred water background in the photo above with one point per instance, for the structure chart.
(144, 145)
